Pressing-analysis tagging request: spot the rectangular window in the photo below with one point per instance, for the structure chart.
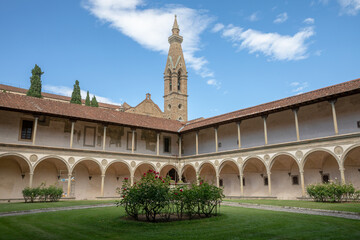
(27, 129)
(129, 141)
(266, 181)
(167, 144)
(295, 180)
(89, 136)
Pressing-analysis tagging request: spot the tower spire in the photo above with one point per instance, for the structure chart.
(175, 28)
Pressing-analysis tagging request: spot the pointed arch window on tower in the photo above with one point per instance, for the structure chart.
(179, 83)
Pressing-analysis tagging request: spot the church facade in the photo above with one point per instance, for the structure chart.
(271, 150)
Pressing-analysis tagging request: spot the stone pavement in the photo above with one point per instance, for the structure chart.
(322, 212)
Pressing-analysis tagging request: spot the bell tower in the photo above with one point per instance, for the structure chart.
(175, 79)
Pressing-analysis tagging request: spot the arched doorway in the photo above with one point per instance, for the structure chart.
(255, 180)
(51, 170)
(114, 176)
(352, 167)
(87, 176)
(14, 176)
(285, 177)
(320, 167)
(230, 178)
(207, 173)
(189, 174)
(170, 170)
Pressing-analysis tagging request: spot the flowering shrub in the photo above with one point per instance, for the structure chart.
(153, 197)
(332, 192)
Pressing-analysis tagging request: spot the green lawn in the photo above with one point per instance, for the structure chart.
(349, 207)
(234, 223)
(21, 206)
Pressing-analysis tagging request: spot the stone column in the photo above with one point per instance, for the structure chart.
(72, 133)
(35, 130)
(157, 144)
(102, 185)
(216, 139)
(197, 142)
(239, 136)
(131, 178)
(31, 179)
(302, 183)
(133, 140)
(295, 111)
(179, 145)
(269, 182)
(241, 185)
(69, 185)
(342, 175)
(334, 116)
(217, 180)
(104, 139)
(265, 130)
(197, 178)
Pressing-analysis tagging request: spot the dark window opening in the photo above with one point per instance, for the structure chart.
(27, 129)
(179, 84)
(243, 181)
(173, 175)
(266, 181)
(167, 144)
(295, 180)
(221, 182)
(325, 178)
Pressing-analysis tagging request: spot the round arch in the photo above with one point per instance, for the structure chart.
(273, 159)
(253, 157)
(15, 172)
(115, 172)
(201, 166)
(305, 157)
(208, 172)
(142, 168)
(229, 177)
(87, 159)
(52, 157)
(347, 151)
(255, 179)
(351, 165)
(117, 161)
(227, 160)
(186, 166)
(167, 167)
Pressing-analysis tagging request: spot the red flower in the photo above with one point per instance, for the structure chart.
(126, 178)
(144, 174)
(176, 193)
(150, 170)
(163, 181)
(175, 183)
(181, 189)
(124, 189)
(123, 196)
(156, 176)
(160, 177)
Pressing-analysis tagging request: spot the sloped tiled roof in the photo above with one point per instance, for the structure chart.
(16, 102)
(282, 104)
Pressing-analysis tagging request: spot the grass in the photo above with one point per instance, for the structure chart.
(349, 207)
(233, 223)
(21, 206)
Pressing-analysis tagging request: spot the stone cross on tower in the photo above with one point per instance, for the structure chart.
(175, 79)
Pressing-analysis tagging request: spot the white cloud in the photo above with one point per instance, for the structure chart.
(281, 18)
(273, 45)
(217, 27)
(151, 27)
(254, 17)
(309, 21)
(214, 83)
(66, 91)
(298, 87)
(350, 7)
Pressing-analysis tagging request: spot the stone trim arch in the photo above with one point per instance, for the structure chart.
(256, 157)
(272, 160)
(170, 164)
(141, 163)
(304, 158)
(346, 152)
(117, 161)
(52, 156)
(20, 156)
(88, 159)
(187, 164)
(202, 165)
(223, 162)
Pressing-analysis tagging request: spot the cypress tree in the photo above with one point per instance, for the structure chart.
(87, 100)
(94, 102)
(76, 96)
(35, 80)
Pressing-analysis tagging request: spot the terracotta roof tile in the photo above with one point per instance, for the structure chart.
(285, 103)
(13, 102)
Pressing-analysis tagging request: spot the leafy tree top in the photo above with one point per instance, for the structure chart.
(35, 82)
(87, 100)
(76, 95)
(94, 102)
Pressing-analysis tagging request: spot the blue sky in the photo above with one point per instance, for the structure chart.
(238, 53)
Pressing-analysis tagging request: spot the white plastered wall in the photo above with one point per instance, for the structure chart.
(227, 137)
(281, 127)
(252, 132)
(207, 140)
(348, 113)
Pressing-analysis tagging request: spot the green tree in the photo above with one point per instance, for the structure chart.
(35, 80)
(76, 96)
(94, 102)
(87, 99)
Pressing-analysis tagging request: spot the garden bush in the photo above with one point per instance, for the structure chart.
(157, 199)
(332, 192)
(42, 193)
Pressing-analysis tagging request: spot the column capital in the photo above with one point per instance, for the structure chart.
(333, 101)
(69, 175)
(264, 116)
(295, 110)
(31, 173)
(301, 171)
(238, 122)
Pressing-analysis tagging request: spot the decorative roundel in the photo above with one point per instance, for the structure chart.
(239, 160)
(133, 164)
(267, 157)
(216, 163)
(158, 165)
(338, 150)
(33, 158)
(299, 154)
(71, 160)
(197, 164)
(104, 162)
